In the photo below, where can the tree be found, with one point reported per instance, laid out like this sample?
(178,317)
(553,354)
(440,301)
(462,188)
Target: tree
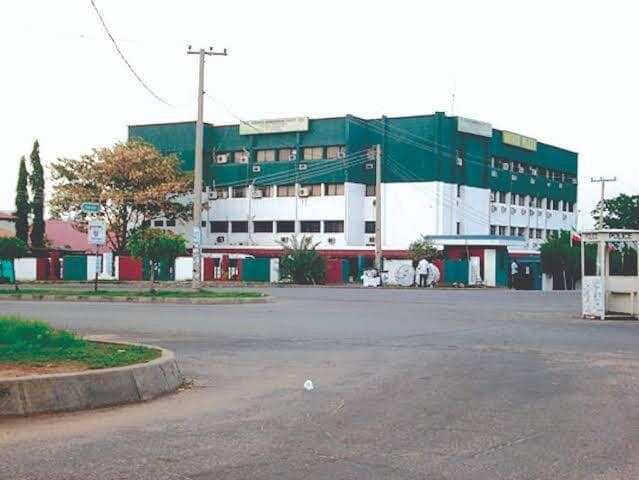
(560,258)
(22,203)
(154,245)
(10,249)
(133,182)
(422,248)
(621,211)
(301,263)
(37,203)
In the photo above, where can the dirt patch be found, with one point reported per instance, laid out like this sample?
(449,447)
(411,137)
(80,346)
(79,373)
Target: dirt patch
(12,370)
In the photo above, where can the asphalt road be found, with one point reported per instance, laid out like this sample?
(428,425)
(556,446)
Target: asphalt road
(408,385)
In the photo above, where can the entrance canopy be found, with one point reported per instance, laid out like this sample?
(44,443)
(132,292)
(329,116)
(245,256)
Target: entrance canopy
(610,272)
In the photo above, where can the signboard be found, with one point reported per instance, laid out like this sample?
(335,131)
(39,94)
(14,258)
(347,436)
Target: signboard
(97,232)
(611,235)
(592,297)
(90,207)
(517,140)
(474,127)
(274,125)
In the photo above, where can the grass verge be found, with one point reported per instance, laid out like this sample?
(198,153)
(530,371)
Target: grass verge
(34,342)
(132,293)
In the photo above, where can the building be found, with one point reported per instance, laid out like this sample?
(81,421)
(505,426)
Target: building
(441,175)
(7,224)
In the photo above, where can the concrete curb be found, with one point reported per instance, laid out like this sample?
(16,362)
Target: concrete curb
(62,392)
(83,298)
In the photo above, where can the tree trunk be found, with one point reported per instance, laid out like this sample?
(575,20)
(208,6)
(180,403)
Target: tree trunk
(152,277)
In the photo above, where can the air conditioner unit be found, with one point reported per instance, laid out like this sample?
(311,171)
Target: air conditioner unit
(513,177)
(256,169)
(513,210)
(341,153)
(283,239)
(243,159)
(523,211)
(219,239)
(574,181)
(212,195)
(369,166)
(561,185)
(493,173)
(222,158)
(257,194)
(292,156)
(371,240)
(534,171)
(331,240)
(521,169)
(532,212)
(493,208)
(302,166)
(505,166)
(460,161)
(532,181)
(304,192)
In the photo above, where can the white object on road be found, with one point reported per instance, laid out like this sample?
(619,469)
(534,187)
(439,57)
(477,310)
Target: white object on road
(308,385)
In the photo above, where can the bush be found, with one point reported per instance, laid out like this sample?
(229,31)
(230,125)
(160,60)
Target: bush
(18,332)
(301,263)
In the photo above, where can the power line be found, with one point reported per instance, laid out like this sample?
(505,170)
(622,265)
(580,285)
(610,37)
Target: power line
(117,49)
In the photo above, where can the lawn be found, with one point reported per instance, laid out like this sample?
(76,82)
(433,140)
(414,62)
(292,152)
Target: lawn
(36,343)
(132,293)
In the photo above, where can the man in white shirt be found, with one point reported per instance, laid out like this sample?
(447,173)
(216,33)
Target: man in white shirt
(422,271)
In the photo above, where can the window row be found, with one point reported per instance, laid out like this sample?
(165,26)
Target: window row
(278,226)
(529,233)
(510,198)
(287,154)
(520,167)
(261,191)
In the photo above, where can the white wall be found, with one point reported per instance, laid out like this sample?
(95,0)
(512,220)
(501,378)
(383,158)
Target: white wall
(490,267)
(183,268)
(25,269)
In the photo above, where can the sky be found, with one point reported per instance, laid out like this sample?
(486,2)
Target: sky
(564,72)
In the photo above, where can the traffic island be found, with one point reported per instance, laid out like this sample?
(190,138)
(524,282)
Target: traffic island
(93,373)
(203,297)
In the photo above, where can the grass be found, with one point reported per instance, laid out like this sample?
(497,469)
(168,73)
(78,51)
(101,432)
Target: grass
(34,342)
(132,293)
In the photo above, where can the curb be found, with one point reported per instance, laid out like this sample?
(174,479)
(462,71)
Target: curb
(63,392)
(174,300)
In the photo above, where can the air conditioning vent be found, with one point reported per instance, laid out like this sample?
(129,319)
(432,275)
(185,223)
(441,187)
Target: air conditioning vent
(222,158)
(513,177)
(493,173)
(243,158)
(304,192)
(369,166)
(219,239)
(212,195)
(302,166)
(371,239)
(257,194)
(341,153)
(256,169)
(331,240)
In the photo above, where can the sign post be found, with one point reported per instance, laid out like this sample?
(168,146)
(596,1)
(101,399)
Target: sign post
(97,237)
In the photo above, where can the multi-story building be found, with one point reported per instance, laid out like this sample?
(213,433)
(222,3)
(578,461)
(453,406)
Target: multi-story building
(441,175)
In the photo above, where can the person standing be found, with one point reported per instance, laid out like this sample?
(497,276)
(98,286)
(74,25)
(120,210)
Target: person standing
(422,269)
(514,271)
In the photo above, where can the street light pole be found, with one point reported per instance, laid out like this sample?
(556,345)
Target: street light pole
(198,168)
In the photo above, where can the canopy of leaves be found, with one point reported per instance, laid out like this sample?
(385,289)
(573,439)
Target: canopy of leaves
(621,211)
(301,263)
(37,203)
(422,248)
(132,181)
(155,245)
(22,203)
(558,257)
(11,248)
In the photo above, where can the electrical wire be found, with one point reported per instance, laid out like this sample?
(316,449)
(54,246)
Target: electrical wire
(124,59)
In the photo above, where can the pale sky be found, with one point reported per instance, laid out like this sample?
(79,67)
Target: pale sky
(564,72)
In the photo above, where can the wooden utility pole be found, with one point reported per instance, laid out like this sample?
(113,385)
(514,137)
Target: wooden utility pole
(378,210)
(603,181)
(198,168)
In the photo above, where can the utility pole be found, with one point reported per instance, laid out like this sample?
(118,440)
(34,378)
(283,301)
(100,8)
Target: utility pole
(603,181)
(378,210)
(198,175)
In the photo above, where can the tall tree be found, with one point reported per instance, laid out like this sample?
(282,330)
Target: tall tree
(22,203)
(621,211)
(133,182)
(37,203)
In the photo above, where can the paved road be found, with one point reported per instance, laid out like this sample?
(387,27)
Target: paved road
(409,385)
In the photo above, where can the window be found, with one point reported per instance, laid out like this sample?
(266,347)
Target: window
(334,151)
(158,223)
(239,192)
(314,190)
(171,223)
(369,227)
(533,201)
(370,190)
(540,202)
(333,226)
(513,198)
(458,228)
(286,190)
(239,227)
(521,231)
(571,207)
(458,191)
(222,192)
(265,156)
(263,226)
(538,233)
(219,227)
(313,153)
(493,230)
(493,196)
(513,231)
(502,230)
(310,226)
(240,156)
(264,189)
(286,154)
(503,197)
(334,189)
(203,223)
(521,200)
(285,226)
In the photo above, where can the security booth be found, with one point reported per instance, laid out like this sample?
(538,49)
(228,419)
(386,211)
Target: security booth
(610,279)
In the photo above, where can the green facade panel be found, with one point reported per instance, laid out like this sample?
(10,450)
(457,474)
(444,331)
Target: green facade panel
(163,271)
(74,267)
(455,271)
(256,269)
(7,270)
